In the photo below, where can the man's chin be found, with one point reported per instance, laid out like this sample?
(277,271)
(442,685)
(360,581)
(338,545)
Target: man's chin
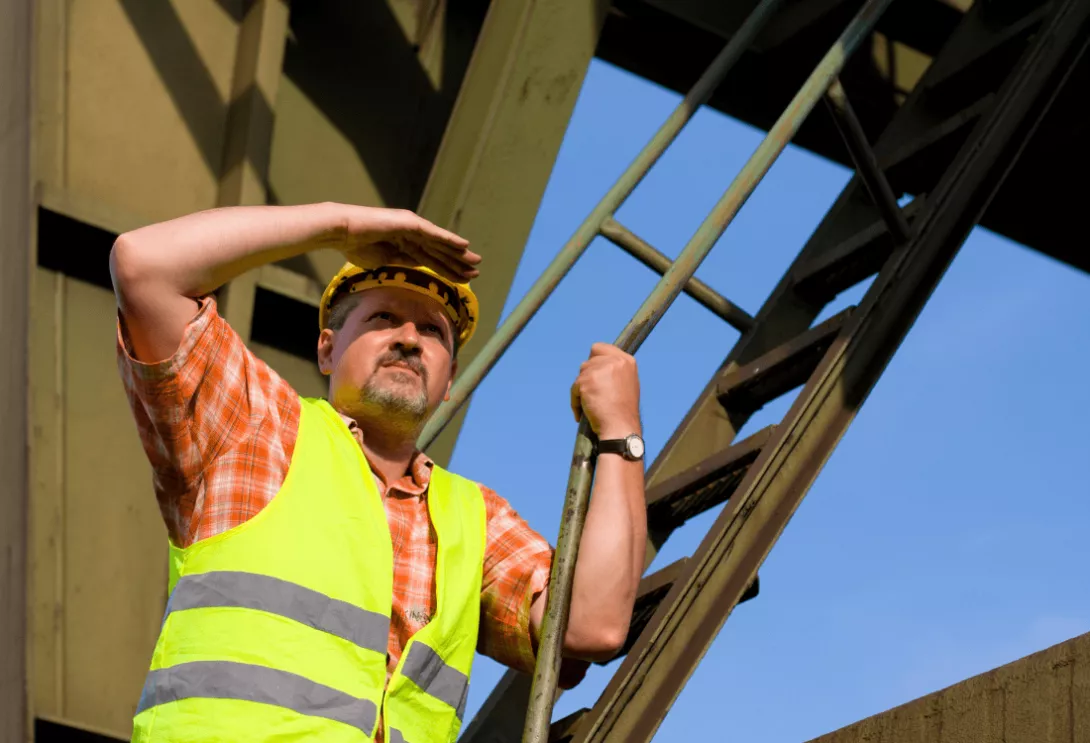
(400,400)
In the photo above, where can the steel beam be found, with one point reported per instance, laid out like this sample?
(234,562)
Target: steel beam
(786,313)
(648,681)
(16,248)
(245,172)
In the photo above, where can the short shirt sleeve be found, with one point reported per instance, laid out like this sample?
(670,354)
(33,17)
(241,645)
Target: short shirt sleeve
(217,425)
(516,571)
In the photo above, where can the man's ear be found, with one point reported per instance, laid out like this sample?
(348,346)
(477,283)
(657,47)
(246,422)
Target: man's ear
(453,374)
(325,351)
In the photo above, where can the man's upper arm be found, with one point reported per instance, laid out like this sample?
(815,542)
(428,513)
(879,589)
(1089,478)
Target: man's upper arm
(157,315)
(516,572)
(516,569)
(195,405)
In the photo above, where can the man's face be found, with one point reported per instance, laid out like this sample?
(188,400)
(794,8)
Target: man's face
(392,358)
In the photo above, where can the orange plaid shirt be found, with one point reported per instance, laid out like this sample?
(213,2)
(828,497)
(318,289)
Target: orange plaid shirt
(219,426)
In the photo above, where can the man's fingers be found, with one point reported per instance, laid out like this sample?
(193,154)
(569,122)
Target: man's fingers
(436,232)
(463,261)
(441,263)
(604,349)
(460,271)
(448,261)
(459,253)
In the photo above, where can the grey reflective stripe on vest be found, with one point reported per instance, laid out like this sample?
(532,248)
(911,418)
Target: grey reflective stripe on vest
(427,670)
(225,588)
(229,680)
(396,736)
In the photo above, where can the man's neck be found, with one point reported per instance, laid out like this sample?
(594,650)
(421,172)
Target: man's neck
(389,453)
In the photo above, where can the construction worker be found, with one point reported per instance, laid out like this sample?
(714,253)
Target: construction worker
(328,581)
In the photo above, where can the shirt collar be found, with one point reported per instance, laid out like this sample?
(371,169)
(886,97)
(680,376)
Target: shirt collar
(415,482)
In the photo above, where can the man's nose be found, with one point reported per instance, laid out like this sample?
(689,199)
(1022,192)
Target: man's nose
(407,336)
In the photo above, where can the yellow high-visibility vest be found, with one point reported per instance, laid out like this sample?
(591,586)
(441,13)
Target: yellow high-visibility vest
(277,629)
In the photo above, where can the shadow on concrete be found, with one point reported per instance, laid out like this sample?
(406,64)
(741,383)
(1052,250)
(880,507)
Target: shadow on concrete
(351,59)
(354,62)
(184,74)
(237,9)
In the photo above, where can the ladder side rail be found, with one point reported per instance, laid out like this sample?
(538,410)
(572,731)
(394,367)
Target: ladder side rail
(547,668)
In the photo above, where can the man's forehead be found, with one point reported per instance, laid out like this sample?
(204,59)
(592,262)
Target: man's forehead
(400,298)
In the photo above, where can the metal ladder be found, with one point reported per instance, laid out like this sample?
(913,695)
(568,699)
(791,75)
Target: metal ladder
(950,145)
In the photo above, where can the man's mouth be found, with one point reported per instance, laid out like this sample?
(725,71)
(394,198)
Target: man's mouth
(405,367)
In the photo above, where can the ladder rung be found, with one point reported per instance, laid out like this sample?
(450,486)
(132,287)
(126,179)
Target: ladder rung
(703,486)
(941,131)
(780,370)
(972,71)
(564,729)
(649,256)
(845,265)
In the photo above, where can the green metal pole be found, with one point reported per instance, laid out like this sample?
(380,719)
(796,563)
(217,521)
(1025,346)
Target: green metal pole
(547,669)
(487,357)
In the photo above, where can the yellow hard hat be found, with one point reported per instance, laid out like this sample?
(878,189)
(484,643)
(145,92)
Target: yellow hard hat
(382,265)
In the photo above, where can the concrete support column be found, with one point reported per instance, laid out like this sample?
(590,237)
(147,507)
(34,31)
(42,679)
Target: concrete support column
(16,235)
(245,176)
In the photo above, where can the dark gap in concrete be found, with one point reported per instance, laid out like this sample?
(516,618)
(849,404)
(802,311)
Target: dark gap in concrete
(285,324)
(74,248)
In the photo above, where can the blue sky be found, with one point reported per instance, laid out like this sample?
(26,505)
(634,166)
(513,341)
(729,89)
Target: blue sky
(946,535)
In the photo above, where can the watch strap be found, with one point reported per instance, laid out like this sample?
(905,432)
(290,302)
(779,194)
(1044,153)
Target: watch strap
(612,446)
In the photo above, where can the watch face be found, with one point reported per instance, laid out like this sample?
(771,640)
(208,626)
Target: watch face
(635,446)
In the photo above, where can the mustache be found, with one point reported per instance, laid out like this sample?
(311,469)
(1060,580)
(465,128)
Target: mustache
(399,356)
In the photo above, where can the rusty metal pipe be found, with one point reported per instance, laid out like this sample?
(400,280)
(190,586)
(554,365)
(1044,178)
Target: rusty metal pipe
(866,163)
(547,668)
(487,357)
(646,254)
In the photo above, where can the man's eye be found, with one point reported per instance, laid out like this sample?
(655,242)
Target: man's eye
(382,316)
(432,330)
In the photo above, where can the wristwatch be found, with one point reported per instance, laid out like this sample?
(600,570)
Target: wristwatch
(630,447)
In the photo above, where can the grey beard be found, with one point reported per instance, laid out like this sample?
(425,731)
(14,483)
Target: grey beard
(390,402)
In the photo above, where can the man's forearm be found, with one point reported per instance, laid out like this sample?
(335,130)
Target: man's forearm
(198,253)
(611,554)
(159,270)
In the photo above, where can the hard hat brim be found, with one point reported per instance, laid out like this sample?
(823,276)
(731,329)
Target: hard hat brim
(458,301)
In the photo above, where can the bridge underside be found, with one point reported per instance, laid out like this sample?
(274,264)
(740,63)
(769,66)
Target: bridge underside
(671,42)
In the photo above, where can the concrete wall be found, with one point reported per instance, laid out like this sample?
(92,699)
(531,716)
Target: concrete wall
(16,248)
(98,544)
(1042,698)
